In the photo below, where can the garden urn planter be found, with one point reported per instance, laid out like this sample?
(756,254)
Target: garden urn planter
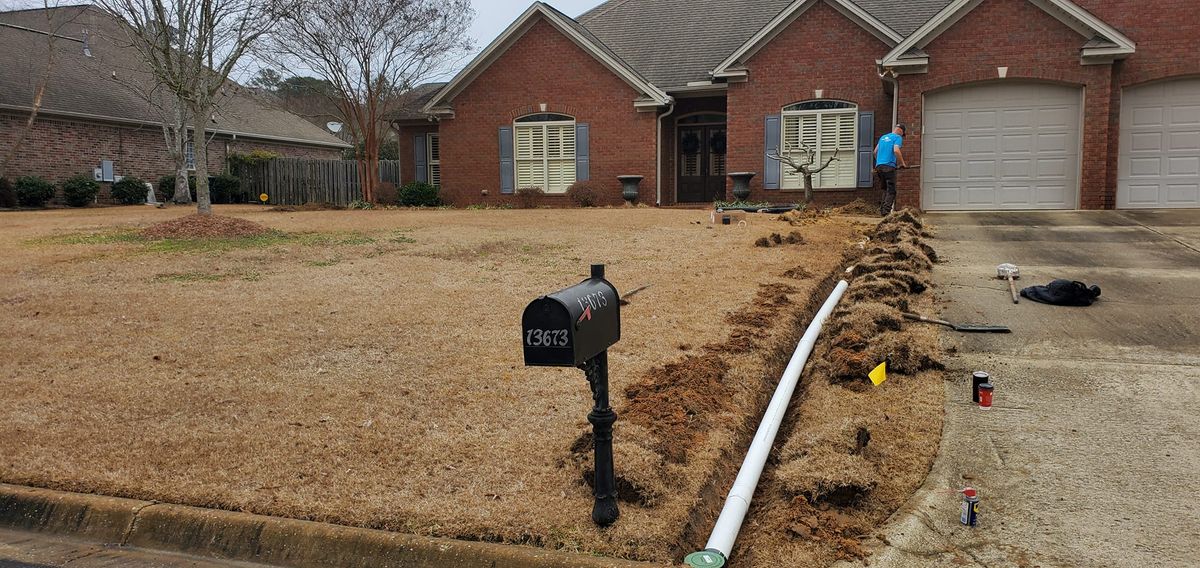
(629,187)
(741,184)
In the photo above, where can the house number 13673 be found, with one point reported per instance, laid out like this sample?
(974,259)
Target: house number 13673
(546,337)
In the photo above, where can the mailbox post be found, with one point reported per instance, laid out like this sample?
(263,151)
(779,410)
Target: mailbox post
(574,327)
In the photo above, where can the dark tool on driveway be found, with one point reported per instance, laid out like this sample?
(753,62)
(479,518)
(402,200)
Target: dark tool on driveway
(961,328)
(1011,273)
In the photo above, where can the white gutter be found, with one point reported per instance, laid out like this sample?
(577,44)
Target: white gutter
(659,152)
(890,76)
(725,532)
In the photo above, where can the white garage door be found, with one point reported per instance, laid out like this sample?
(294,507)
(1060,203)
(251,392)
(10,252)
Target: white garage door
(1001,145)
(1160,146)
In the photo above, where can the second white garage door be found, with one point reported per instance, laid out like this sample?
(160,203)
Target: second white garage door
(1001,145)
(1160,146)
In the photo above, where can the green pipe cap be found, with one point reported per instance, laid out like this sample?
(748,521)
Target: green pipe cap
(705,559)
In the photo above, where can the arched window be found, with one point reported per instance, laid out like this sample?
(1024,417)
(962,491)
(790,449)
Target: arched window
(544,145)
(829,127)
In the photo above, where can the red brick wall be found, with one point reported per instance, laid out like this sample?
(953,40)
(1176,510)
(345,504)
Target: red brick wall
(58,149)
(1034,46)
(544,67)
(825,50)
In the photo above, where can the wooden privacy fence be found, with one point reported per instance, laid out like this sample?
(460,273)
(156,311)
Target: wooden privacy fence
(296,181)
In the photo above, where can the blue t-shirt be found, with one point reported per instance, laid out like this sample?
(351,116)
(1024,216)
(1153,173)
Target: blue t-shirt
(886,155)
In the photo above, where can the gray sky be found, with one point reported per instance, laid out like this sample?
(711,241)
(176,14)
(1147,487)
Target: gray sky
(492,16)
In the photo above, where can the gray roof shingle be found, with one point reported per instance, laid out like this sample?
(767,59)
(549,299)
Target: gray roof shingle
(110,82)
(674,42)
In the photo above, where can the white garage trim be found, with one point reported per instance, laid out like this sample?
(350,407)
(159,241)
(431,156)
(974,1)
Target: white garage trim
(1002,145)
(1159,159)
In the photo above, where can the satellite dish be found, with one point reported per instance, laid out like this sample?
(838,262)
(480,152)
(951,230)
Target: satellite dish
(334,127)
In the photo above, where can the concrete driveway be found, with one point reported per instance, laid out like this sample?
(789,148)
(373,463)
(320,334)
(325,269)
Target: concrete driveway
(1091,456)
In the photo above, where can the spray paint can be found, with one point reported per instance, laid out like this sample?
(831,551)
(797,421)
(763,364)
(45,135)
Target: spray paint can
(978,378)
(985,396)
(970,507)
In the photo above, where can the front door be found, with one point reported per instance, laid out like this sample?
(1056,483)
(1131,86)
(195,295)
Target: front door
(701,163)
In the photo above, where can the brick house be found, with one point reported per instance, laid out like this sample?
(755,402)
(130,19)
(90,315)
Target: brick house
(1010,104)
(95,115)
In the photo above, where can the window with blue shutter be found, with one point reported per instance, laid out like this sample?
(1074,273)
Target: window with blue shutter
(420,159)
(507,183)
(866,146)
(771,168)
(583,163)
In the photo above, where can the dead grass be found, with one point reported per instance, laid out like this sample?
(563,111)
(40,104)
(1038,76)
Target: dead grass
(363,367)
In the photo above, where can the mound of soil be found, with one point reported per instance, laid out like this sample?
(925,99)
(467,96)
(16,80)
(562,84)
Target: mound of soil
(776,239)
(198,226)
(671,400)
(857,207)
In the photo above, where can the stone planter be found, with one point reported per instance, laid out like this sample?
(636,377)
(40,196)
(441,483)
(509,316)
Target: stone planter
(629,187)
(741,184)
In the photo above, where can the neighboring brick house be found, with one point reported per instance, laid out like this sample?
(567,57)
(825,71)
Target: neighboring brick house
(92,114)
(1010,104)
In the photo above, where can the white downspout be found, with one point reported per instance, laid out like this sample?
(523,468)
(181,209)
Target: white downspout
(725,532)
(659,154)
(889,75)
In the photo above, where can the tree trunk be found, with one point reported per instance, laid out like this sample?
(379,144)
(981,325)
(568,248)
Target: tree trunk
(808,188)
(178,139)
(200,146)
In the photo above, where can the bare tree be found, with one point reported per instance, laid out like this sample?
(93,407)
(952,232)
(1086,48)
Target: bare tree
(372,51)
(804,165)
(192,47)
(54,31)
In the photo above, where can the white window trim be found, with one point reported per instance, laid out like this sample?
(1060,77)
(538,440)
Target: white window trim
(430,162)
(546,159)
(189,155)
(852,155)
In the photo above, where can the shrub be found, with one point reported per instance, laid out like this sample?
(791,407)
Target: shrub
(585,193)
(33,191)
(360,204)
(129,191)
(80,190)
(528,197)
(166,187)
(8,197)
(419,194)
(224,188)
(386,193)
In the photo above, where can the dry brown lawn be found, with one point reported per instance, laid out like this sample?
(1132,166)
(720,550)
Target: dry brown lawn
(364,367)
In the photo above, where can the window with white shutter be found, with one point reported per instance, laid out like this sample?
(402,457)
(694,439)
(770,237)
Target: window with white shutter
(545,151)
(828,126)
(433,154)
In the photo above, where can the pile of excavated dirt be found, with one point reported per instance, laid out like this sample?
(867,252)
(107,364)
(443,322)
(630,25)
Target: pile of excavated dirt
(858,207)
(198,226)
(776,239)
(851,453)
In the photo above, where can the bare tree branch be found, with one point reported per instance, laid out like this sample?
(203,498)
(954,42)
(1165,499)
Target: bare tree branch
(803,167)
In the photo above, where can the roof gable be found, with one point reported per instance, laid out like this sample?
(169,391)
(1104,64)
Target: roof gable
(578,34)
(729,68)
(1103,43)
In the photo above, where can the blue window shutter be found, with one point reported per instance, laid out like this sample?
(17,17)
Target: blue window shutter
(771,168)
(583,162)
(866,139)
(507,183)
(420,163)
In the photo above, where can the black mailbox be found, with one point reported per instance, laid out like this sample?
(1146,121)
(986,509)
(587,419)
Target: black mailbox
(568,327)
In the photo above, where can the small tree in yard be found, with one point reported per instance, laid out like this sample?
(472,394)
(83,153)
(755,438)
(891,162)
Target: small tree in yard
(192,46)
(803,165)
(372,52)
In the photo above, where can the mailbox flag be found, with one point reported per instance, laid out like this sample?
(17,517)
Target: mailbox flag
(879,374)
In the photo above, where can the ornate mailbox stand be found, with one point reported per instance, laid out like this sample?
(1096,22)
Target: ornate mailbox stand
(574,327)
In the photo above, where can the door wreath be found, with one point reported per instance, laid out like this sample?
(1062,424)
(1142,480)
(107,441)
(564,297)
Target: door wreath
(690,144)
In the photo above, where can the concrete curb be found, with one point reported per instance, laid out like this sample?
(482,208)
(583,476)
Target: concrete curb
(256,538)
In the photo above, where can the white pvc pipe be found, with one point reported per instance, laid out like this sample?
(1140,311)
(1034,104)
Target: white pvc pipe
(725,532)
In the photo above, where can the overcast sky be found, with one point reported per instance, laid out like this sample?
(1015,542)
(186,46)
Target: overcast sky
(492,16)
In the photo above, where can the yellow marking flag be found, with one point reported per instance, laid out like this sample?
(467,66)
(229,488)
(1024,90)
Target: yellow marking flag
(879,374)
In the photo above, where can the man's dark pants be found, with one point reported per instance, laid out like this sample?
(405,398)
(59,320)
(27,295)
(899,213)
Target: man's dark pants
(887,176)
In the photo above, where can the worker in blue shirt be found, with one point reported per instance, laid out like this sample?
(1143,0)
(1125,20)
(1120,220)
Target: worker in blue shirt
(887,156)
